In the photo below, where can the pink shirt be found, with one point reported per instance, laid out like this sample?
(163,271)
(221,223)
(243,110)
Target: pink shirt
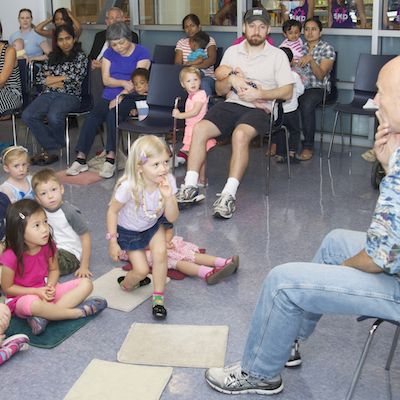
(183,45)
(36,269)
(198,97)
(296,47)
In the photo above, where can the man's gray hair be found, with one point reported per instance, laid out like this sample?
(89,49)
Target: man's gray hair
(118,30)
(115,9)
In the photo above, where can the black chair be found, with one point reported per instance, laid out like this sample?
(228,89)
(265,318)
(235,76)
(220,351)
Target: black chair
(164,54)
(84,108)
(23,73)
(164,92)
(220,53)
(368,68)
(367,346)
(276,127)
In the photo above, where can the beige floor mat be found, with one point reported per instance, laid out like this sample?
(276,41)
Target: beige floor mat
(105,380)
(106,286)
(193,346)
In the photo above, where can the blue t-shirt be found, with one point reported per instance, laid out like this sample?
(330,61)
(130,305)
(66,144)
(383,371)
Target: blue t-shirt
(122,67)
(32,42)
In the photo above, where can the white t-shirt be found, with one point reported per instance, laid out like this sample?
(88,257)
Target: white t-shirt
(298,90)
(134,218)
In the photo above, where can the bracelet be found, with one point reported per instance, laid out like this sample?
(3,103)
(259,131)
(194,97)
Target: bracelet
(110,236)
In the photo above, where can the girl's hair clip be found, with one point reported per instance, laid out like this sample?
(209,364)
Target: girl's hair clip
(143,157)
(22,216)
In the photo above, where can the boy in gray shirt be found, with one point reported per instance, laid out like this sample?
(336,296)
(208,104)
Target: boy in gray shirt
(70,231)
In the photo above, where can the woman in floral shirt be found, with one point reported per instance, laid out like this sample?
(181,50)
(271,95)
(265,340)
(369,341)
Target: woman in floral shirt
(61,76)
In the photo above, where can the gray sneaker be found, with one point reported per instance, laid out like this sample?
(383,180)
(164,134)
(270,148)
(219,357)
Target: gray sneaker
(108,170)
(76,168)
(224,206)
(232,380)
(295,357)
(189,194)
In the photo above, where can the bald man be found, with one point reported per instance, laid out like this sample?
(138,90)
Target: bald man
(351,273)
(114,14)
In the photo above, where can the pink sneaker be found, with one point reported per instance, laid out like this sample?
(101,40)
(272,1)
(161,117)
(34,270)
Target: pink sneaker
(37,324)
(19,339)
(220,273)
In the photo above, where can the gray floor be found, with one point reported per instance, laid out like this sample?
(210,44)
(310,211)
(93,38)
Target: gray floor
(286,226)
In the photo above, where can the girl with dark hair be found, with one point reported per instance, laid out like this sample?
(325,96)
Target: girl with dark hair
(61,16)
(30,272)
(61,76)
(191,26)
(26,41)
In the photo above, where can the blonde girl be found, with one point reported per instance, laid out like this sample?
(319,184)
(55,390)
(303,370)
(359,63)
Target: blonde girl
(143,201)
(16,164)
(195,109)
(30,272)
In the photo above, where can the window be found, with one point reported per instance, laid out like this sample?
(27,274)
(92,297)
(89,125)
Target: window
(172,12)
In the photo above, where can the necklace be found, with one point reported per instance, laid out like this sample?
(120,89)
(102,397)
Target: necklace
(145,210)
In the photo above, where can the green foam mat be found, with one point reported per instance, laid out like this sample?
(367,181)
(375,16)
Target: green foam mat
(55,333)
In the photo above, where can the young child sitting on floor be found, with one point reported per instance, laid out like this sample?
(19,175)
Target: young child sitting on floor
(14,343)
(195,109)
(30,273)
(16,164)
(186,257)
(70,230)
(198,43)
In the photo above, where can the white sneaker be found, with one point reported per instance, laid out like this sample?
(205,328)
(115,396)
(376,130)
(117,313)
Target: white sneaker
(76,168)
(108,170)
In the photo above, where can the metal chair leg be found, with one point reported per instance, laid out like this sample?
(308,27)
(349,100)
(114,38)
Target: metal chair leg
(351,131)
(14,129)
(67,144)
(333,134)
(361,361)
(287,149)
(392,348)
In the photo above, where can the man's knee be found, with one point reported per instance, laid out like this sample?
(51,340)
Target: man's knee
(242,137)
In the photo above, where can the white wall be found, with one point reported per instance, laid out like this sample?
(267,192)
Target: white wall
(9,14)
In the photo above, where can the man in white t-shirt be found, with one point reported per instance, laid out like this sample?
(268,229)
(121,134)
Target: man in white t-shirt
(258,72)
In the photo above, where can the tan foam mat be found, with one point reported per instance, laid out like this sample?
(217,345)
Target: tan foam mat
(195,346)
(105,380)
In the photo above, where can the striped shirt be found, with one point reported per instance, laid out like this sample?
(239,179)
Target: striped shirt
(296,47)
(184,46)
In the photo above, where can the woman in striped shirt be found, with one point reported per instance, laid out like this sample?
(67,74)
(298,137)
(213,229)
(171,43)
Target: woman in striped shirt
(191,25)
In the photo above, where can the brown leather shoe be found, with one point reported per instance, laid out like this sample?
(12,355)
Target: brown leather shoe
(306,154)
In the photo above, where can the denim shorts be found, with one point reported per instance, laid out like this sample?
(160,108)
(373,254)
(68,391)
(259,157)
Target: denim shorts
(132,240)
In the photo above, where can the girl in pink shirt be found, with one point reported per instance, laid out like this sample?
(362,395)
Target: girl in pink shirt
(195,109)
(30,272)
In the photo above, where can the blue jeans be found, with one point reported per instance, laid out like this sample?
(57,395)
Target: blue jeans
(208,84)
(99,114)
(308,102)
(53,106)
(295,295)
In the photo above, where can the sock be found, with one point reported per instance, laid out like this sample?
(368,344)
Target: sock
(6,352)
(110,160)
(191,178)
(203,271)
(81,161)
(231,187)
(220,262)
(158,298)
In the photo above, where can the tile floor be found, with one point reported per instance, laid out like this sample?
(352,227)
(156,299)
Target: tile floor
(265,231)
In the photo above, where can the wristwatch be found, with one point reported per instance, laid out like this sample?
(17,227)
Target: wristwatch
(110,236)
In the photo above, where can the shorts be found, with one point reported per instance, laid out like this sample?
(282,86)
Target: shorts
(227,116)
(23,303)
(132,240)
(67,262)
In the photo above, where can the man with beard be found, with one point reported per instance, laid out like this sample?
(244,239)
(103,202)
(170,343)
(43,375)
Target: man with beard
(352,273)
(257,74)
